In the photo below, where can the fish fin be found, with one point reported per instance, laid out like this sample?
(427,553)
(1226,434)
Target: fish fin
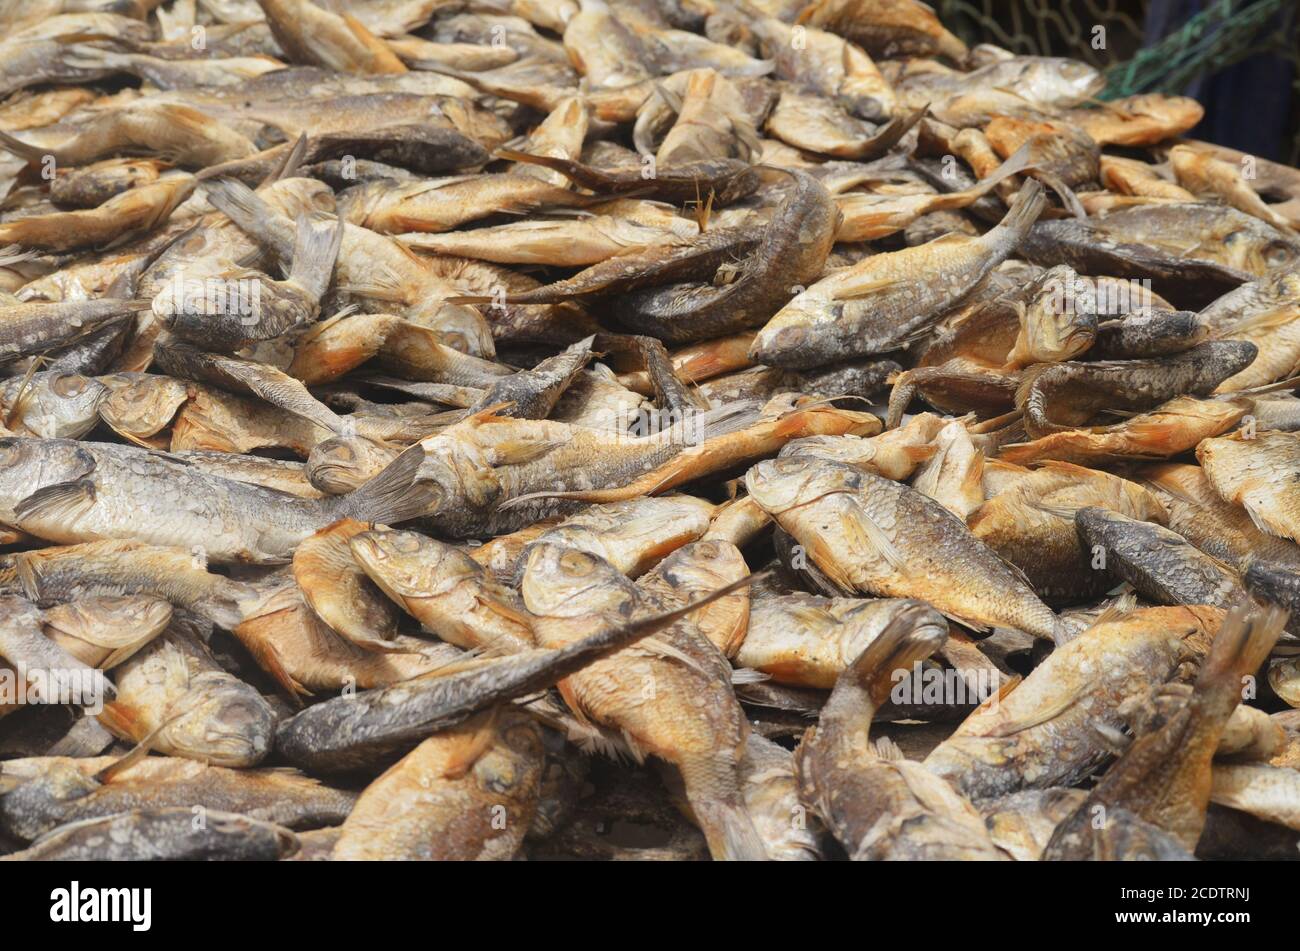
(1015,163)
(1115,740)
(392,496)
(314,252)
(33,154)
(876,540)
(1241,646)
(385,284)
(1261,323)
(500,606)
(634,748)
(62,502)
(729,418)
(1028,377)
(661,648)
(1066,194)
(748,675)
(670,98)
(890,134)
(1037,717)
(853,291)
(292,160)
(135,755)
(966,622)
(1259,516)
(119,718)
(741,841)
(1124,604)
(888,750)
(19,401)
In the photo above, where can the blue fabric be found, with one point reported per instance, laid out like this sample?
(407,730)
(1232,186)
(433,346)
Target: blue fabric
(1248,105)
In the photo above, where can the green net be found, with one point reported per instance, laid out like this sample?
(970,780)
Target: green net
(1108,35)
(1226,32)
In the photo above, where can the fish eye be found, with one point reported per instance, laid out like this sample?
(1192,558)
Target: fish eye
(69,384)
(340,451)
(408,543)
(577,562)
(1278,253)
(709,549)
(789,337)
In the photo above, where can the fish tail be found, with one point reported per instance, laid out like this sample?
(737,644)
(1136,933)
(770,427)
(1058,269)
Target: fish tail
(1019,161)
(713,791)
(248,211)
(900,396)
(291,162)
(1242,645)
(15,254)
(1028,205)
(390,497)
(915,632)
(314,252)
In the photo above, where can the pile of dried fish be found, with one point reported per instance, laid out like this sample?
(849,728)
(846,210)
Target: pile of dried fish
(560,428)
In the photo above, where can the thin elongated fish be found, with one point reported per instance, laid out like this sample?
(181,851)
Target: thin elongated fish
(161,834)
(350,732)
(54,791)
(70,492)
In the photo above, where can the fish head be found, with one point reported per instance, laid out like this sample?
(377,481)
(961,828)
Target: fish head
(223,722)
(460,326)
(29,464)
(1268,255)
(142,407)
(791,338)
(62,405)
(568,583)
(779,485)
(1272,582)
(102,620)
(456,474)
(511,768)
(1061,316)
(342,463)
(410,565)
(1081,80)
(1227,357)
